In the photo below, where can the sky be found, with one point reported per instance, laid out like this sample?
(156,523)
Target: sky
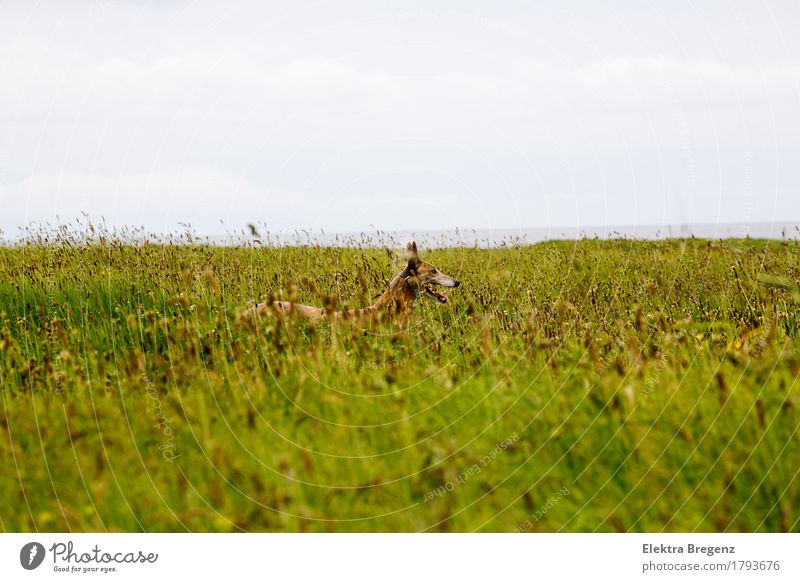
(355,116)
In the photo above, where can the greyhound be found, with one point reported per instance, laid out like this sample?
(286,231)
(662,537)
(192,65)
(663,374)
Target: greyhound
(415,280)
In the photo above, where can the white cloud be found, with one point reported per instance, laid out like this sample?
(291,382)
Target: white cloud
(260,102)
(44,77)
(158,200)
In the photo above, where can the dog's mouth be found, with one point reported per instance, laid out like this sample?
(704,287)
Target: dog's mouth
(440,297)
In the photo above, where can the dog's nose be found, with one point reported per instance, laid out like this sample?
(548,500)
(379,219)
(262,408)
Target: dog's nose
(457,283)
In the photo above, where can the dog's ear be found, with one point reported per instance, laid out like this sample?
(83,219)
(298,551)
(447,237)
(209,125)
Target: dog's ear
(411,257)
(411,251)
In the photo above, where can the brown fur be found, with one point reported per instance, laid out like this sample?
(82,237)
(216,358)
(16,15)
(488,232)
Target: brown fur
(417,278)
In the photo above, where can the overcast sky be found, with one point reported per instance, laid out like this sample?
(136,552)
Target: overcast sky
(350,116)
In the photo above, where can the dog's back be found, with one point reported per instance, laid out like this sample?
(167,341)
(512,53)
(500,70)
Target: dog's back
(306,311)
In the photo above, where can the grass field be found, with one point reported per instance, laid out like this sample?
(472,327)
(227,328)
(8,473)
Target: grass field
(567,386)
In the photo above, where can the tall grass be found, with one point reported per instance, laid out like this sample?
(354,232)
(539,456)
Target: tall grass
(567,386)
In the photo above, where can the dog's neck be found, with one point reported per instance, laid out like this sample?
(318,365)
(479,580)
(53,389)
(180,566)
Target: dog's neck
(400,295)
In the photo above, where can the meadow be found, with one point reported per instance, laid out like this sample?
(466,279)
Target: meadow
(588,385)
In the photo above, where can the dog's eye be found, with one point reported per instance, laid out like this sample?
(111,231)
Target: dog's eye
(434,271)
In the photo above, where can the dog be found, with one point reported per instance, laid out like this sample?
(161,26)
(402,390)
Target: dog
(417,279)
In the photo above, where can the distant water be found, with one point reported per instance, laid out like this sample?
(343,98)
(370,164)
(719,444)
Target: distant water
(509,237)
(483,238)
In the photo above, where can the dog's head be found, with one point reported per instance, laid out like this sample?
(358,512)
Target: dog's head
(426,276)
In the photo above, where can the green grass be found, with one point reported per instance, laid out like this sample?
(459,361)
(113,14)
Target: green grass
(589,386)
